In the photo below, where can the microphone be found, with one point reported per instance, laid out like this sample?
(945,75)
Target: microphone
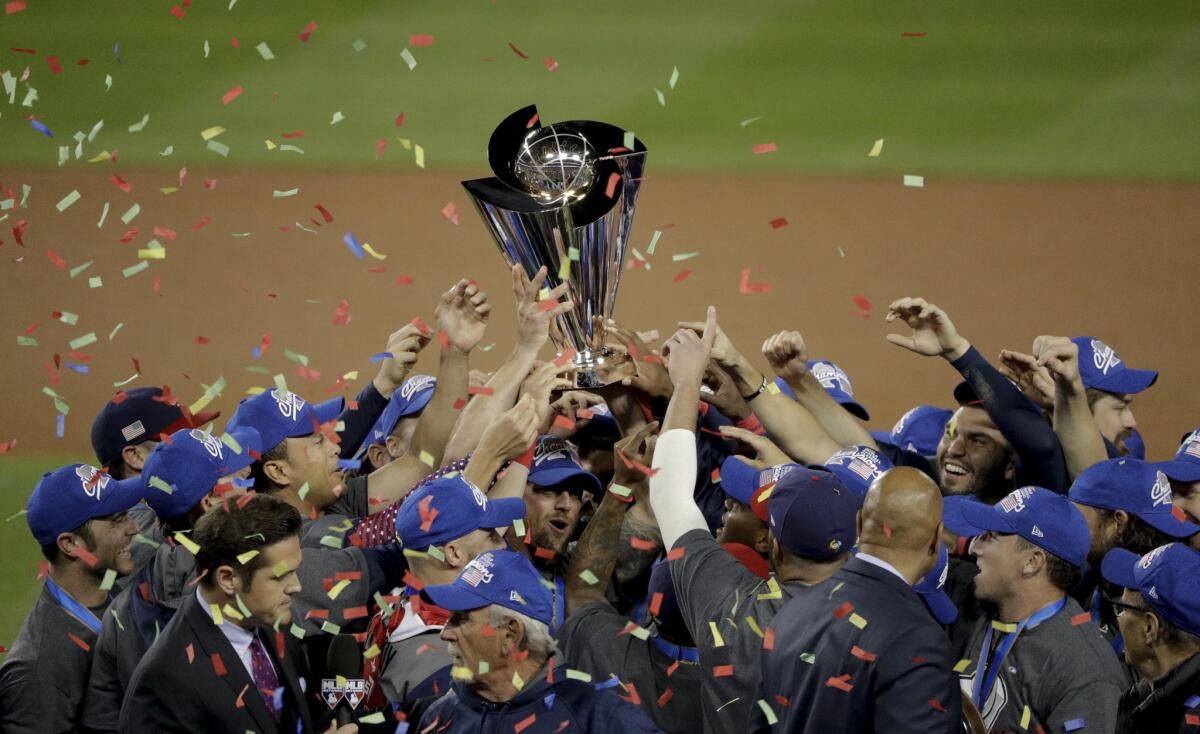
(343,660)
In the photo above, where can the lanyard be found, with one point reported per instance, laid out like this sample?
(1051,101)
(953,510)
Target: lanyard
(678,652)
(985,673)
(72,607)
(559,600)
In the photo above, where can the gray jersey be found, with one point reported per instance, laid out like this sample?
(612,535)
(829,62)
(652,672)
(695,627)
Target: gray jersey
(1060,676)
(329,530)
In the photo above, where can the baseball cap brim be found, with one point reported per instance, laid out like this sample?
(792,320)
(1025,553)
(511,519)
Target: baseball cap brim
(952,516)
(882,437)
(1127,381)
(854,407)
(964,394)
(739,479)
(940,606)
(502,512)
(454,597)
(981,518)
(250,443)
(120,495)
(325,412)
(1180,471)
(1118,567)
(1170,523)
(577,479)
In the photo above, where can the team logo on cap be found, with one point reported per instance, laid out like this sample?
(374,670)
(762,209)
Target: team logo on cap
(479,571)
(1160,493)
(942,576)
(835,545)
(1191,444)
(1103,356)
(554,449)
(1015,501)
(899,427)
(863,462)
(480,497)
(289,403)
(1148,560)
(412,385)
(832,377)
(92,480)
(210,442)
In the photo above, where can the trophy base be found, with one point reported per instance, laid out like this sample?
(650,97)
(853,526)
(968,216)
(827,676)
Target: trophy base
(597,368)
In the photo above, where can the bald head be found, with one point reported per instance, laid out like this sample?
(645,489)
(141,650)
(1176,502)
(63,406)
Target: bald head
(902,512)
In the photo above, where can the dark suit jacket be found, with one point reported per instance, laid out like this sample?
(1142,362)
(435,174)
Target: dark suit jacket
(169,694)
(888,669)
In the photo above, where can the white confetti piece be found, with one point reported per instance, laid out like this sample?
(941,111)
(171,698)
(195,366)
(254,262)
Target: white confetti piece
(917,182)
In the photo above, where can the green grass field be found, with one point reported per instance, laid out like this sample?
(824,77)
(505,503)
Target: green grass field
(1073,89)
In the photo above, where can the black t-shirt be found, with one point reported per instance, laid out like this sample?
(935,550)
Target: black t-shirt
(329,530)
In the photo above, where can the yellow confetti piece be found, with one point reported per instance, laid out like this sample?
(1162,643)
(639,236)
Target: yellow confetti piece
(754,626)
(331,628)
(1002,627)
(167,190)
(232,613)
(588,577)
(460,672)
(410,553)
(564,269)
(766,495)
(192,546)
(772,719)
(338,588)
(212,132)
(155,253)
(876,149)
(371,651)
(517,681)
(270,145)
(375,718)
(419,155)
(218,619)
(427,458)
(160,484)
(280,569)
(1025,716)
(718,641)
(579,675)
(775,592)
(962,665)
(405,143)
(773,388)
(232,443)
(110,578)
(857,620)
(200,404)
(243,558)
(99,157)
(370,251)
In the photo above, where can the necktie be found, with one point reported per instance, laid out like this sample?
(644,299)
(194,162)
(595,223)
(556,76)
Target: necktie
(265,679)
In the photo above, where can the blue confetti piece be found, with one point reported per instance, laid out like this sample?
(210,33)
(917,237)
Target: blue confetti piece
(80,368)
(402,728)
(348,464)
(242,483)
(610,683)
(117,52)
(41,128)
(256,352)
(1073,725)
(61,426)
(1192,702)
(352,243)
(380,357)
(549,701)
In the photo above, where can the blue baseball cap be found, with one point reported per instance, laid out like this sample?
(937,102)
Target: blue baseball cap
(277,415)
(181,472)
(138,415)
(810,513)
(952,516)
(499,577)
(1165,577)
(408,399)
(931,588)
(745,483)
(920,429)
(66,498)
(1046,519)
(1185,466)
(450,507)
(1137,487)
(837,383)
(556,462)
(857,467)
(1102,369)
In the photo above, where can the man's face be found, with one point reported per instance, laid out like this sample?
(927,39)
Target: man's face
(1102,530)
(1187,498)
(112,537)
(973,457)
(551,514)
(739,524)
(1114,418)
(1000,561)
(470,645)
(269,593)
(313,460)
(1129,621)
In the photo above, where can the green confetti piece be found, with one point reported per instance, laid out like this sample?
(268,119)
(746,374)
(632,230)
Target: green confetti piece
(436,552)
(674,79)
(284,194)
(772,719)
(135,269)
(62,407)
(752,120)
(297,631)
(218,147)
(409,59)
(519,526)
(281,384)
(25,190)
(103,216)
(83,341)
(303,491)
(330,627)
(66,202)
(69,318)
(808,657)
(573,254)
(684,256)
(291,148)
(139,538)
(588,577)
(26,341)
(630,139)
(620,490)
(578,675)
(265,51)
(662,99)
(231,442)
(80,268)
(206,48)
(653,242)
(95,281)
(359,45)
(242,605)
(857,621)
(332,541)
(118,620)
(257,368)
(137,127)
(161,484)
(337,117)
(187,542)
(484,668)
(917,182)
(167,151)
(51,392)
(130,215)
(110,577)
(640,632)
(296,357)
(107,82)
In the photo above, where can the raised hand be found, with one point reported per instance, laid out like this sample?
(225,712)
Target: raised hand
(568,406)
(766,453)
(723,350)
(1032,379)
(543,379)
(724,394)
(1060,355)
(462,314)
(933,334)
(688,353)
(513,431)
(651,376)
(403,345)
(533,321)
(637,447)
(787,355)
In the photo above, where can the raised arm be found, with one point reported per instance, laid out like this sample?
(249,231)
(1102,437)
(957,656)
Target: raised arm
(403,346)
(1082,443)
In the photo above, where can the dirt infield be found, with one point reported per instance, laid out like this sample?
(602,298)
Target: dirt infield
(1008,260)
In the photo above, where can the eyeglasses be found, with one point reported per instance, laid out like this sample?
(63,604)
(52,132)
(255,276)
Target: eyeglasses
(1122,607)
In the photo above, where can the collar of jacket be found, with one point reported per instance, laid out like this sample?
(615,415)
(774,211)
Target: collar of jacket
(535,690)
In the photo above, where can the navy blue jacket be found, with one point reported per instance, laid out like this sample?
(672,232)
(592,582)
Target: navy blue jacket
(549,703)
(888,669)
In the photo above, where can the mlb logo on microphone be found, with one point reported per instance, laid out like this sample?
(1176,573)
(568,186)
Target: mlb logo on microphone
(332,692)
(355,691)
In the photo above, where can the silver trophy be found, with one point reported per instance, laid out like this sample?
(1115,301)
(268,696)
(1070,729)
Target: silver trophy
(563,197)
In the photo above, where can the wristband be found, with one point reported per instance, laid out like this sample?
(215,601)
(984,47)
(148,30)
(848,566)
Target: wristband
(526,459)
(761,389)
(752,424)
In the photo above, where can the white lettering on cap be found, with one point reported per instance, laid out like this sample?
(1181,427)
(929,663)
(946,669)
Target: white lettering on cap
(1015,501)
(413,384)
(1148,559)
(92,480)
(478,571)
(832,377)
(1160,493)
(210,442)
(289,403)
(1103,356)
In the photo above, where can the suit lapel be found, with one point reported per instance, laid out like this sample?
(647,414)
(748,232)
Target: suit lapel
(213,641)
(286,665)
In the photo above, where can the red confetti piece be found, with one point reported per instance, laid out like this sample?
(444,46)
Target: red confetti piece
(83,553)
(862,654)
(745,286)
(399,119)
(611,187)
(417,322)
(79,641)
(763,148)
(666,695)
(325,214)
(673,668)
(525,723)
(15,6)
(58,261)
(83,62)
(862,303)
(488,630)
(460,404)
(642,543)
(1081,618)
(8,446)
(204,222)
(769,639)
(427,515)
(19,232)
(23,50)
(404,280)
(191,653)
(168,234)
(210,183)
(318,613)
(1192,719)
(564,422)
(178,12)
(54,65)
(545,553)
(567,355)
(681,275)
(779,222)
(480,390)
(843,610)
(675,554)
(655,603)
(129,235)
(722,671)
(842,683)
(550,63)
(911,35)
(232,94)
(443,340)
(380,146)
(633,696)
(937,705)
(218,664)
(1179,514)
(294,134)
(518,52)
(341,314)
(121,183)
(308,31)
(235,43)
(202,340)
(420,39)
(354,613)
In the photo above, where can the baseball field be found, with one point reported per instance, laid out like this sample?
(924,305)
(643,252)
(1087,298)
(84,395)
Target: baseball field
(177,183)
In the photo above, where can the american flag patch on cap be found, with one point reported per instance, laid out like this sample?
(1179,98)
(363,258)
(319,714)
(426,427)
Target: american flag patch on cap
(133,430)
(862,468)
